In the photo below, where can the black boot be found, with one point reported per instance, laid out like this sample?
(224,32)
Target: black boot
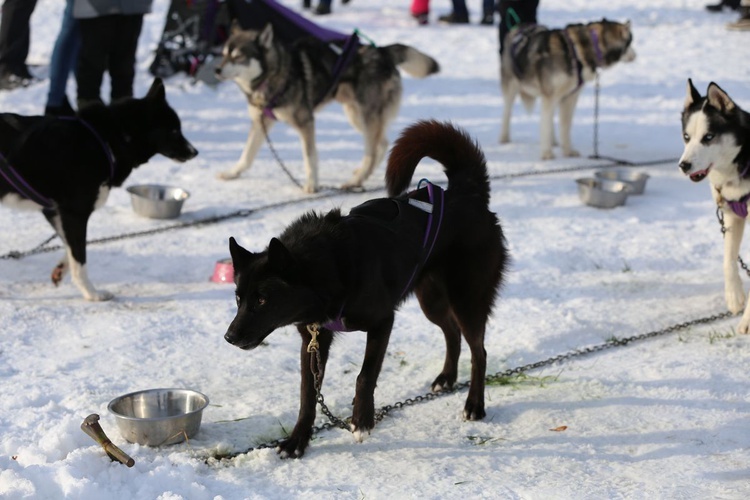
(65,109)
(729,4)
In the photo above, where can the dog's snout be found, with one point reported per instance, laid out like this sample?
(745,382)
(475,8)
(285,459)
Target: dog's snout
(685,166)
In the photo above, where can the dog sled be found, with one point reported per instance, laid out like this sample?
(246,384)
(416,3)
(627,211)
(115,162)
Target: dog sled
(195,31)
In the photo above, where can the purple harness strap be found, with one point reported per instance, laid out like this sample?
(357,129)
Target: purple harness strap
(25,189)
(434,221)
(21,186)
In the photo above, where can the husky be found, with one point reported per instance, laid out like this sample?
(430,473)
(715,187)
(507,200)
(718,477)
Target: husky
(290,82)
(66,166)
(328,273)
(553,65)
(716,132)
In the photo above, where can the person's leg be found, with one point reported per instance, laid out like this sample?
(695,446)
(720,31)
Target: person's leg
(15,36)
(323,8)
(460,14)
(63,61)
(123,55)
(97,38)
(488,12)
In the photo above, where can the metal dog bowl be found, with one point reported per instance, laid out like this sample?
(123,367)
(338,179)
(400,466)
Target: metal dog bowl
(223,271)
(636,179)
(157,202)
(158,417)
(602,193)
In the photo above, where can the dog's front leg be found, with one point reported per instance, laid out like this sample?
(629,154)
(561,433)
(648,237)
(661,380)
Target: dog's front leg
(261,125)
(567,109)
(309,154)
(73,233)
(363,416)
(546,130)
(296,444)
(733,291)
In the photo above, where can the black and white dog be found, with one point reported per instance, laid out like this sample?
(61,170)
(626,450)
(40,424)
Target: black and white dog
(65,167)
(717,145)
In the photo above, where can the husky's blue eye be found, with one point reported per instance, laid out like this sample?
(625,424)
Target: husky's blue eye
(708,137)
(686,137)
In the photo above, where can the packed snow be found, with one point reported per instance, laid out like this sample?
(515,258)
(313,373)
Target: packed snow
(667,417)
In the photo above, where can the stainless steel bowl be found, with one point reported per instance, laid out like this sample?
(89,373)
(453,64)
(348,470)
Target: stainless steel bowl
(156,201)
(602,193)
(158,417)
(636,179)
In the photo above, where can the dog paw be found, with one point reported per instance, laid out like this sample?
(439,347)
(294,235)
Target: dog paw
(310,188)
(744,326)
(474,411)
(99,296)
(504,139)
(571,153)
(227,176)
(735,297)
(292,448)
(443,383)
(359,433)
(58,272)
(352,186)
(548,155)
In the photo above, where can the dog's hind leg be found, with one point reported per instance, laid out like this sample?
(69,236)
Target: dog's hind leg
(296,444)
(567,109)
(261,125)
(62,267)
(363,416)
(434,303)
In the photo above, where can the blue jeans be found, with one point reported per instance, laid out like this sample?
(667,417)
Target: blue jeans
(459,7)
(64,56)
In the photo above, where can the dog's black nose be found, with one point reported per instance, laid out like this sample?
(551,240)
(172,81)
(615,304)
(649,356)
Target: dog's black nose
(685,166)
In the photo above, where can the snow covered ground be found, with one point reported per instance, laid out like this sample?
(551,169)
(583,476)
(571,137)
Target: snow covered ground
(664,418)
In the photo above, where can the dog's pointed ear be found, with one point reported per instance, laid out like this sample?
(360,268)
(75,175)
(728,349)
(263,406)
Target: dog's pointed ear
(266,36)
(235,28)
(692,95)
(157,90)
(279,257)
(719,99)
(240,256)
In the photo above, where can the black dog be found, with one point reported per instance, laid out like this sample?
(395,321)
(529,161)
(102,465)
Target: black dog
(337,273)
(66,166)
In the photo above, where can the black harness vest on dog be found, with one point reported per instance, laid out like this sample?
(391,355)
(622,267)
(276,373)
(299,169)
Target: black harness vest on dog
(416,222)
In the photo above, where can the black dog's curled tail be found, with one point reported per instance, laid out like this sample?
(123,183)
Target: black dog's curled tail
(463,160)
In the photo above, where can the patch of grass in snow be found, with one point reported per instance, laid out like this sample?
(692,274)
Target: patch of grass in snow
(519,380)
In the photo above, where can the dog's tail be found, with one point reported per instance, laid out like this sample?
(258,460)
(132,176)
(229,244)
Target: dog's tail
(413,62)
(463,160)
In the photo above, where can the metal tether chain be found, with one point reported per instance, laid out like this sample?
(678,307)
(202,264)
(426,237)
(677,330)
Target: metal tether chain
(720,216)
(385,410)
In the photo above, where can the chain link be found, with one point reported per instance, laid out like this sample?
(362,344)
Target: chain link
(382,412)
(720,216)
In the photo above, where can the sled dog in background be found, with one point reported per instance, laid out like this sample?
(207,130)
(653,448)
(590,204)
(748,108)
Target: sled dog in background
(290,82)
(342,273)
(553,65)
(65,167)
(716,132)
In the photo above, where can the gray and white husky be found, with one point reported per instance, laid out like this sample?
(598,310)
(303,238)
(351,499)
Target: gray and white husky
(553,65)
(290,82)
(717,145)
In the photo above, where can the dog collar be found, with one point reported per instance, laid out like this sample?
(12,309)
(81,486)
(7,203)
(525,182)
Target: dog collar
(597,49)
